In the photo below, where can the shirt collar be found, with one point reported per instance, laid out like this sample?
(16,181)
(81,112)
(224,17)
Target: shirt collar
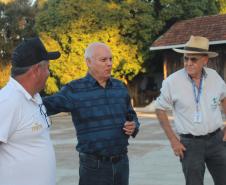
(204,73)
(21,89)
(94,82)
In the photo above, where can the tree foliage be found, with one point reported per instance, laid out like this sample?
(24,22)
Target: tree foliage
(84,22)
(170,11)
(16,22)
(167,12)
(4,74)
(127,26)
(222,6)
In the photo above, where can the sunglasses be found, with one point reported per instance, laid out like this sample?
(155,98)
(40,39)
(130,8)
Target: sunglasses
(193,58)
(43,112)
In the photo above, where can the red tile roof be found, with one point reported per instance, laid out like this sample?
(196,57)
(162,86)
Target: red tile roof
(213,27)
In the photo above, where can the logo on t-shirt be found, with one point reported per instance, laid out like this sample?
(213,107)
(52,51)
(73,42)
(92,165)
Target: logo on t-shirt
(36,127)
(214,102)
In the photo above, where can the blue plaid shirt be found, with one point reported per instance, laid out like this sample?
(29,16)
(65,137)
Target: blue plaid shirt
(98,114)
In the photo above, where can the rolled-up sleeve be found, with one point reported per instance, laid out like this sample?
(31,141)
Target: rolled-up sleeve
(164,101)
(59,102)
(223,89)
(9,119)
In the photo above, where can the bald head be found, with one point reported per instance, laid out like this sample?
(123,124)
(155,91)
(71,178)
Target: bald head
(89,52)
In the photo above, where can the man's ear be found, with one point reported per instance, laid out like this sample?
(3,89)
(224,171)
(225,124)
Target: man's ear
(88,62)
(34,70)
(206,60)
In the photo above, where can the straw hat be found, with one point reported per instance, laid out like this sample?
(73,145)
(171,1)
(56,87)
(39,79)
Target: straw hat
(197,45)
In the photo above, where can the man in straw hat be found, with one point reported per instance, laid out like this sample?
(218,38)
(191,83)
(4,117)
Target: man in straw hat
(195,94)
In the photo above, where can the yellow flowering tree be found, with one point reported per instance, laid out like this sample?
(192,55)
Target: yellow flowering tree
(222,6)
(4,74)
(72,30)
(71,65)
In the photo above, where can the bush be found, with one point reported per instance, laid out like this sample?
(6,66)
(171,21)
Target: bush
(4,74)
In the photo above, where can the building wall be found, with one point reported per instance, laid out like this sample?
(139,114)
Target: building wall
(172,62)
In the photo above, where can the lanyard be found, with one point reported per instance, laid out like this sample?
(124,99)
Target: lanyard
(197,96)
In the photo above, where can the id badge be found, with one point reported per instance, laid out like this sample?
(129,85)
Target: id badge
(197,117)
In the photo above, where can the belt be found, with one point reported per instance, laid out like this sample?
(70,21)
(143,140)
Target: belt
(113,158)
(202,136)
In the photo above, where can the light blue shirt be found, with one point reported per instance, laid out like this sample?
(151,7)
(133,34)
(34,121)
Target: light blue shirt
(177,95)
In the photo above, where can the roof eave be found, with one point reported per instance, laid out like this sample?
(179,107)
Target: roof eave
(182,45)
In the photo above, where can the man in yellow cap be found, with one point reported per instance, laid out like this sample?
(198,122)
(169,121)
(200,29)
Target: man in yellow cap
(195,94)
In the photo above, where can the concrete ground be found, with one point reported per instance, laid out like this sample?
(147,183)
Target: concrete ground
(152,161)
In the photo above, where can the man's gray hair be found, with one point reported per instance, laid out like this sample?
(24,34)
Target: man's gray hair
(89,50)
(16,71)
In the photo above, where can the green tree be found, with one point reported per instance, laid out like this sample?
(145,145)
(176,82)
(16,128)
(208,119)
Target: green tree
(127,26)
(137,24)
(16,23)
(170,11)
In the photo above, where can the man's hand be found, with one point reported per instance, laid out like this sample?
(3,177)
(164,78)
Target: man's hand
(129,127)
(176,145)
(224,131)
(178,148)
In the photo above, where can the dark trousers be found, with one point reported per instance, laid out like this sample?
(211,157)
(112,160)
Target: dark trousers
(200,153)
(93,171)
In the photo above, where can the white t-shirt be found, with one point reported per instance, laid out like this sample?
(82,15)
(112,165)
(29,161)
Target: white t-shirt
(26,153)
(177,93)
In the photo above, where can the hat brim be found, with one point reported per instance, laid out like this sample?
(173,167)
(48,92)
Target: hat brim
(53,55)
(209,53)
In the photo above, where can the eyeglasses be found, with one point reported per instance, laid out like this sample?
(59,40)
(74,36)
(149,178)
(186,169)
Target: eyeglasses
(43,112)
(193,58)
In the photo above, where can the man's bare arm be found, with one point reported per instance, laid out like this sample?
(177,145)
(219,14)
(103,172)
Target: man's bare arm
(176,145)
(223,103)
